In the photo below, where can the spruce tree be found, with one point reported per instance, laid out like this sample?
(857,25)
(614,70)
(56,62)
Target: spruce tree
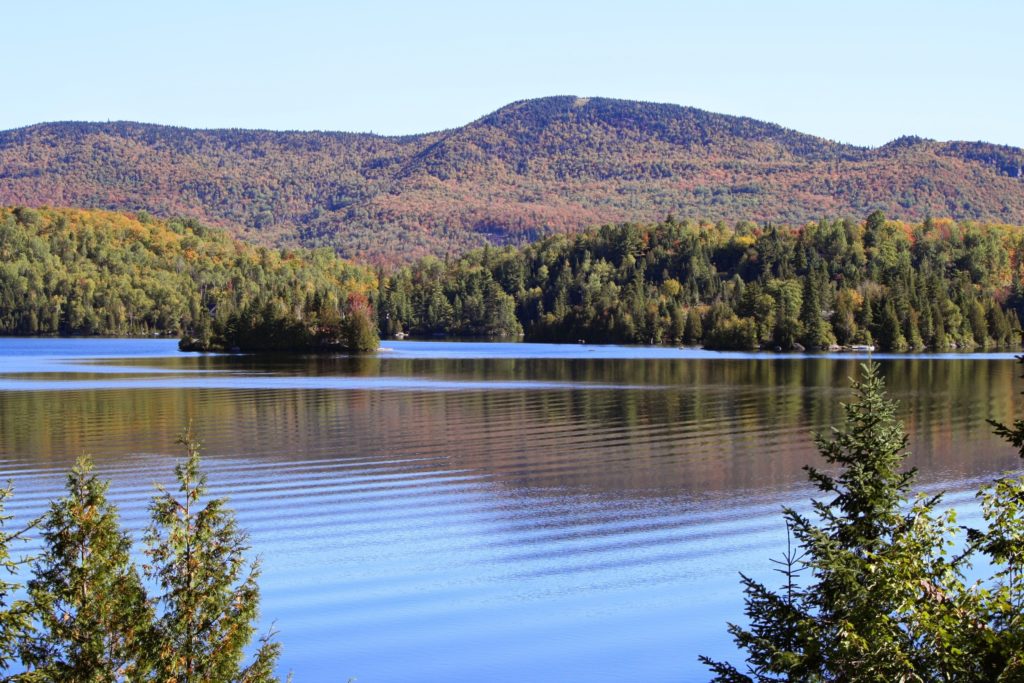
(210,596)
(816,332)
(870,594)
(93,618)
(14,614)
(890,334)
(693,332)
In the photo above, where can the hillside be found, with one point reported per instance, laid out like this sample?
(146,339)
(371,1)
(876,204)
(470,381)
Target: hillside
(528,169)
(82,272)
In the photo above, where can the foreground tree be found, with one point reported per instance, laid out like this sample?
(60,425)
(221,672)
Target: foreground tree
(89,619)
(14,615)
(874,591)
(210,595)
(93,619)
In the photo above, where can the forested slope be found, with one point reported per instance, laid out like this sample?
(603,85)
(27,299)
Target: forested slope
(82,272)
(529,169)
(938,285)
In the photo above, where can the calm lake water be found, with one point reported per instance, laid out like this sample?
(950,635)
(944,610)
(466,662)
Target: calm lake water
(488,512)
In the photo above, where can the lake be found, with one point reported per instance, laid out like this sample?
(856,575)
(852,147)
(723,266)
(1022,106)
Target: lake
(467,512)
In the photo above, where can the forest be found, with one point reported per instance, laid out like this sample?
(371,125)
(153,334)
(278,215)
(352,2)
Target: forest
(937,284)
(897,286)
(80,272)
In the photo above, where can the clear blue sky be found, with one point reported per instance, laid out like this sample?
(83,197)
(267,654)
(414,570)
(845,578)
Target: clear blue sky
(862,72)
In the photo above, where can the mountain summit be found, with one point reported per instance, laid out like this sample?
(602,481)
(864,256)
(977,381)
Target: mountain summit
(532,167)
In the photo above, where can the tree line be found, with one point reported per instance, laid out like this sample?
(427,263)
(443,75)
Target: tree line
(935,285)
(90,613)
(78,272)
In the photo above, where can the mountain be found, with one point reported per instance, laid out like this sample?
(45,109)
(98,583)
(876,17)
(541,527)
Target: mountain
(530,168)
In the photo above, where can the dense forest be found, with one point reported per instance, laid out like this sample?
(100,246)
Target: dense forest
(898,286)
(78,272)
(937,284)
(532,168)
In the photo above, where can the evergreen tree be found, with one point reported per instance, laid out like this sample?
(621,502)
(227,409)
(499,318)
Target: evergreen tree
(677,324)
(977,322)
(890,335)
(998,325)
(210,599)
(815,331)
(872,593)
(14,614)
(693,332)
(94,621)
(843,318)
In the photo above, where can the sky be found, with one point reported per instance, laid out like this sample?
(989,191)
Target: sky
(861,72)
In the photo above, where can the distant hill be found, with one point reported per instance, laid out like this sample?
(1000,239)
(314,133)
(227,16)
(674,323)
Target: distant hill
(528,169)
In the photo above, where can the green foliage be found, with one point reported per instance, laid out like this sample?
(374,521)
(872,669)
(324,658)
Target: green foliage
(874,591)
(883,282)
(88,617)
(93,618)
(265,327)
(467,298)
(15,618)
(694,330)
(732,334)
(936,286)
(92,272)
(359,329)
(210,596)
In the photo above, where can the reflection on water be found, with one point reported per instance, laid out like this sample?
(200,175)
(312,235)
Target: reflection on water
(545,513)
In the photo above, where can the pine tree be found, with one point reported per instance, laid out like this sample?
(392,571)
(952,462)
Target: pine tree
(890,334)
(870,594)
(94,620)
(816,332)
(693,332)
(210,595)
(14,614)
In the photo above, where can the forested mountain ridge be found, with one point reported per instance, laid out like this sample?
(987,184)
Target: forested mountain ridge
(531,168)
